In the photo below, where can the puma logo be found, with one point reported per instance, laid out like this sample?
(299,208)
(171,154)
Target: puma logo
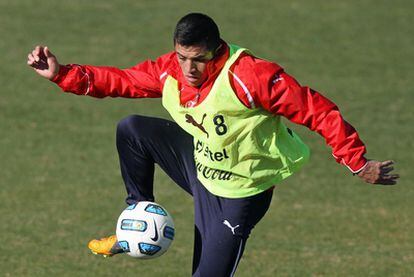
(227,223)
(192,121)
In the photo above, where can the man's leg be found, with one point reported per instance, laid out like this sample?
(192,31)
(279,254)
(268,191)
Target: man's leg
(143,141)
(222,227)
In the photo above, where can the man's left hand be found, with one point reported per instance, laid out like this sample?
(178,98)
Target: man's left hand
(376,172)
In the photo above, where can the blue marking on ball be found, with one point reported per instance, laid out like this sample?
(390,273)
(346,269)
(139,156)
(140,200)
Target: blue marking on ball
(124,245)
(169,232)
(133,225)
(148,249)
(155,209)
(131,207)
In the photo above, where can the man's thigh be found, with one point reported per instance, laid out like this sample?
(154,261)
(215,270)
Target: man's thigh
(222,227)
(143,141)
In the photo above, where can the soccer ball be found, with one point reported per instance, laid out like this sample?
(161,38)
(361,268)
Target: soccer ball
(145,230)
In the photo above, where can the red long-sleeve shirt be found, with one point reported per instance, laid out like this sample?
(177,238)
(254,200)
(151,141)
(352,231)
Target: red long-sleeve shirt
(257,83)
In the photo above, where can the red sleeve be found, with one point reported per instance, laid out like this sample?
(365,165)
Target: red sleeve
(142,80)
(277,92)
(305,106)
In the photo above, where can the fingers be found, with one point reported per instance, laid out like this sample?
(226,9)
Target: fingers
(387,182)
(388,179)
(35,62)
(386,170)
(386,163)
(30,59)
(39,56)
(36,53)
(377,172)
(33,58)
(47,52)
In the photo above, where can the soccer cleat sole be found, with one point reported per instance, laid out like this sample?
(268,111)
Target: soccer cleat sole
(104,255)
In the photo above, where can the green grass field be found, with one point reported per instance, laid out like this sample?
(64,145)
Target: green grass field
(60,181)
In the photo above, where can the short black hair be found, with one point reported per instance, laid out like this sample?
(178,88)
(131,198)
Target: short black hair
(197,29)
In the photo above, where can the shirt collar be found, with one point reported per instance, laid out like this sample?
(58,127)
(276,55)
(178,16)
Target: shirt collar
(216,64)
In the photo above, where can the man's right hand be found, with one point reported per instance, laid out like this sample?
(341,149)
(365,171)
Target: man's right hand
(43,62)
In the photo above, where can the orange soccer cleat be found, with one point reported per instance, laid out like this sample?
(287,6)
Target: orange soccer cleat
(105,246)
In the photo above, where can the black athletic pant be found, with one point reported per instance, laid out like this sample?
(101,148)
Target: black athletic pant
(222,225)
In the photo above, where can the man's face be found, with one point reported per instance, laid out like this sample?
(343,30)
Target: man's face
(193,62)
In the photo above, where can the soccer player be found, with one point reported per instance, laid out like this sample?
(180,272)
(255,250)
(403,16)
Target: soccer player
(228,147)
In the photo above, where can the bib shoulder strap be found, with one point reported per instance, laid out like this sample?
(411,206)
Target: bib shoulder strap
(233,49)
(235,52)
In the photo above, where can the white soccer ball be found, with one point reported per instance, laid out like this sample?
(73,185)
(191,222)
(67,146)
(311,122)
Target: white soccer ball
(145,230)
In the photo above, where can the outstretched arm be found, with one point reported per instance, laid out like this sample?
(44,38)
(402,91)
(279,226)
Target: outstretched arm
(139,81)
(281,94)
(305,106)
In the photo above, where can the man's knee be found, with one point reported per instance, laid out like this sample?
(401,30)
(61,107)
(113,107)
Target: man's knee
(131,126)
